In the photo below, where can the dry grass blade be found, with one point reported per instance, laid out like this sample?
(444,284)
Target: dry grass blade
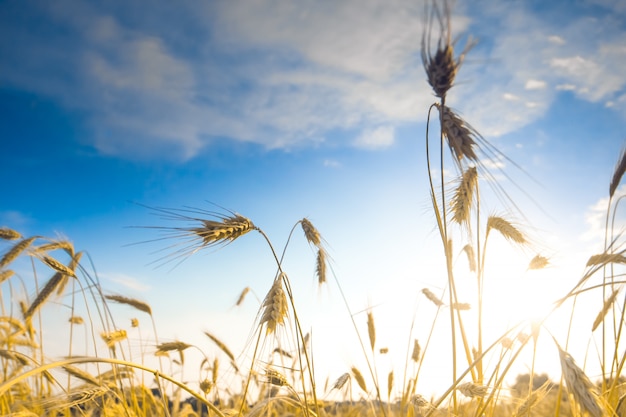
(43,295)
(16,250)
(274,306)
(432,297)
(538,262)
(221,345)
(417,350)
(471,256)
(341,381)
(605,309)
(9,234)
(242,296)
(472,390)
(506,229)
(358,376)
(463,196)
(139,305)
(320,266)
(620,168)
(311,233)
(371,329)
(606,258)
(579,385)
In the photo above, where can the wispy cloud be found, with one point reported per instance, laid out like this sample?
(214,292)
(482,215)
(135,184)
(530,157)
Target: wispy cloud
(168,80)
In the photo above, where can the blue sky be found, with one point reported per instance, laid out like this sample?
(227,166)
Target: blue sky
(280,111)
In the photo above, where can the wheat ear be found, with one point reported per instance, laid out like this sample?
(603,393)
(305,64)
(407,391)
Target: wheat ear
(43,295)
(274,306)
(221,345)
(358,376)
(341,381)
(506,229)
(9,234)
(432,297)
(605,309)
(371,329)
(16,250)
(472,390)
(463,196)
(618,173)
(579,385)
(538,262)
(139,305)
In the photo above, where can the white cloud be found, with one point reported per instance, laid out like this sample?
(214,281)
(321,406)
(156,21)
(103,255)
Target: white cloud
(380,137)
(557,40)
(535,85)
(126,281)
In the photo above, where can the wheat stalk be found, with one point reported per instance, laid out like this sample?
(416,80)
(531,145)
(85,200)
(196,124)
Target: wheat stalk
(274,306)
(139,305)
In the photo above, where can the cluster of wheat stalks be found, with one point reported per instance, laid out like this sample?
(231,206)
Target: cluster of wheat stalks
(110,377)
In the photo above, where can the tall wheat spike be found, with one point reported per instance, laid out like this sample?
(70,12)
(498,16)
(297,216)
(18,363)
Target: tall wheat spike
(441,67)
(371,329)
(605,309)
(274,306)
(463,196)
(6,274)
(460,135)
(618,173)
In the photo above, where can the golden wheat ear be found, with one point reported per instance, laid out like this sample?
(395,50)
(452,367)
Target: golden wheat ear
(200,229)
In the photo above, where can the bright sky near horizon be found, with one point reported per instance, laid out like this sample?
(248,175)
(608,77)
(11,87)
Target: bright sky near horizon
(284,110)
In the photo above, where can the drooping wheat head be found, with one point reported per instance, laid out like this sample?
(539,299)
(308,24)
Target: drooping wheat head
(43,295)
(341,381)
(532,399)
(242,296)
(221,345)
(311,233)
(111,338)
(275,378)
(460,135)
(606,258)
(579,385)
(506,229)
(538,262)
